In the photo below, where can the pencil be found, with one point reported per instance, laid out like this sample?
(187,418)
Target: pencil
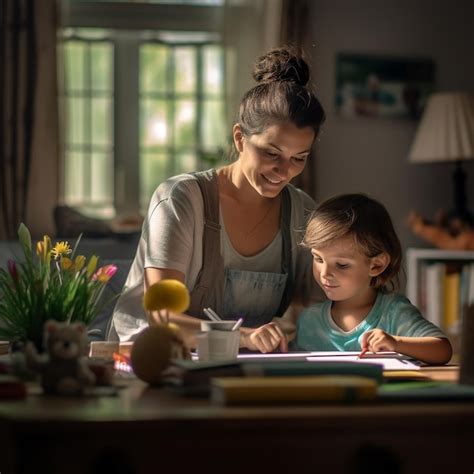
(362,353)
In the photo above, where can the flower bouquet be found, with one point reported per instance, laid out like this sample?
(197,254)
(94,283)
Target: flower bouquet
(50,282)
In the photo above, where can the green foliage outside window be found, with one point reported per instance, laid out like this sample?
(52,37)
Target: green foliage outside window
(180,122)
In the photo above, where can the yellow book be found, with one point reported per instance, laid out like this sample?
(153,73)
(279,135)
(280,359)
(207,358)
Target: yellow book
(292,389)
(452,284)
(402,375)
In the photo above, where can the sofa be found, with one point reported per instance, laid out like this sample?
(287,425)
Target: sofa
(119,251)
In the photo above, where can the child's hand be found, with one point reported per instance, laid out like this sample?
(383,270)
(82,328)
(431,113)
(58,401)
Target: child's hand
(377,340)
(266,338)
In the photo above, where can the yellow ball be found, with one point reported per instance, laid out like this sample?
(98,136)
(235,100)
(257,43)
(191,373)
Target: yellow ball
(167,294)
(151,353)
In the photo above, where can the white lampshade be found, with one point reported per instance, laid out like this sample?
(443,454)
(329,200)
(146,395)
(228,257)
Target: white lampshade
(446,130)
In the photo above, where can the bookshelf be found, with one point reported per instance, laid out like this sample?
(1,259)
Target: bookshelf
(439,283)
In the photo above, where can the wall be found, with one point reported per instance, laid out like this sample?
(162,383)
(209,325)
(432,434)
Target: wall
(368,154)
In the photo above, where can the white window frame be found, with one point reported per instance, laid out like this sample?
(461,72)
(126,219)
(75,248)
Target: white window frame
(123,18)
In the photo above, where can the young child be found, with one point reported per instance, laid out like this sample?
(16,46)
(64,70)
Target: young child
(356,261)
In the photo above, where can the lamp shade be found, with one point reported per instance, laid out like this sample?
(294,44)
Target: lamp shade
(446,130)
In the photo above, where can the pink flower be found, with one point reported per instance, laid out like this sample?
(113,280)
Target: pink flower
(105,273)
(13,270)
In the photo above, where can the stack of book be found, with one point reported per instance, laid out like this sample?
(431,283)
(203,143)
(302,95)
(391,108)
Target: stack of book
(205,378)
(445,288)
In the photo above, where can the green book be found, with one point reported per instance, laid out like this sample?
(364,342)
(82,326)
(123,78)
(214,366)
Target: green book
(426,391)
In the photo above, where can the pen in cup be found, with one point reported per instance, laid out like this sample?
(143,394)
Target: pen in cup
(211,314)
(237,324)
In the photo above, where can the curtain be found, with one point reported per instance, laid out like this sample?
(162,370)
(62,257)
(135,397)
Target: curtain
(28,116)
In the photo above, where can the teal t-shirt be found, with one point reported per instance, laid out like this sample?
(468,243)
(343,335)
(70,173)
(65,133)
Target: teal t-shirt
(393,313)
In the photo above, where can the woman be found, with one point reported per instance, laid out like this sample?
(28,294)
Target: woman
(231,234)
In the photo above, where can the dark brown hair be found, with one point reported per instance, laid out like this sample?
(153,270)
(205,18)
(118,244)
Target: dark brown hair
(368,222)
(281,94)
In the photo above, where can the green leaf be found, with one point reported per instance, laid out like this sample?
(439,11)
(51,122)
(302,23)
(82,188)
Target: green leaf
(25,237)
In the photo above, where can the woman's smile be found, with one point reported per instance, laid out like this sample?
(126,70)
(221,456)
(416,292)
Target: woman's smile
(274,181)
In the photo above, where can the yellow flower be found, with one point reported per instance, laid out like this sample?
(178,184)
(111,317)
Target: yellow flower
(43,247)
(91,266)
(167,294)
(61,249)
(79,262)
(40,249)
(47,245)
(66,263)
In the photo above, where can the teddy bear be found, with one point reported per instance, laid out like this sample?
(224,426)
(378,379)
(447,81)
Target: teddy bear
(444,233)
(63,370)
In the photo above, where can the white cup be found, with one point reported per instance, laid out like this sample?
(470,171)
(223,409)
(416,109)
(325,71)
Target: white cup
(217,325)
(218,345)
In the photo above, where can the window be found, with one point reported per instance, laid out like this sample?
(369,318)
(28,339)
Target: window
(140,105)
(88,103)
(181,110)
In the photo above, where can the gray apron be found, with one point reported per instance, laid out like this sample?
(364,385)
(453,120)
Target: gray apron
(253,296)
(237,293)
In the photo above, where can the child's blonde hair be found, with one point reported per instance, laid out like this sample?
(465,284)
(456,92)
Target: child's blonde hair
(368,222)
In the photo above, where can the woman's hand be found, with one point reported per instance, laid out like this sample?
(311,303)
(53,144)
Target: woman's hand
(377,340)
(266,338)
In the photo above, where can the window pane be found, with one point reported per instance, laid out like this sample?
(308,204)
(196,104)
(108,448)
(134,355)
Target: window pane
(185,69)
(184,2)
(89,120)
(154,129)
(75,121)
(185,162)
(101,67)
(74,169)
(101,118)
(213,128)
(101,178)
(154,61)
(153,170)
(88,33)
(185,123)
(212,70)
(74,62)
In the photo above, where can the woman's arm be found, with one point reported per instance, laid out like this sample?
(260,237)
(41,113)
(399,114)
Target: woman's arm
(265,338)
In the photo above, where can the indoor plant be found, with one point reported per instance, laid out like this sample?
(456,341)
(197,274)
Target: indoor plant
(49,282)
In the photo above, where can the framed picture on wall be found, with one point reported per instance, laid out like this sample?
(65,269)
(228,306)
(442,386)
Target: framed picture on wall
(378,86)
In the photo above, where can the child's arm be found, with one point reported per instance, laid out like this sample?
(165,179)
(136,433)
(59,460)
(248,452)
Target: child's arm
(432,350)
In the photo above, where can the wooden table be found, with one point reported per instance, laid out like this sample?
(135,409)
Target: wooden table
(147,430)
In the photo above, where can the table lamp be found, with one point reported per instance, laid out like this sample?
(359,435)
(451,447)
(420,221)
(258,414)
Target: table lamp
(446,133)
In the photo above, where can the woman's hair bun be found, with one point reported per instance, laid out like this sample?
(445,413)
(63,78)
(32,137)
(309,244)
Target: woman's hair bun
(282,64)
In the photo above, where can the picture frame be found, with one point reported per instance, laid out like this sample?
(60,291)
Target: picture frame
(382,86)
